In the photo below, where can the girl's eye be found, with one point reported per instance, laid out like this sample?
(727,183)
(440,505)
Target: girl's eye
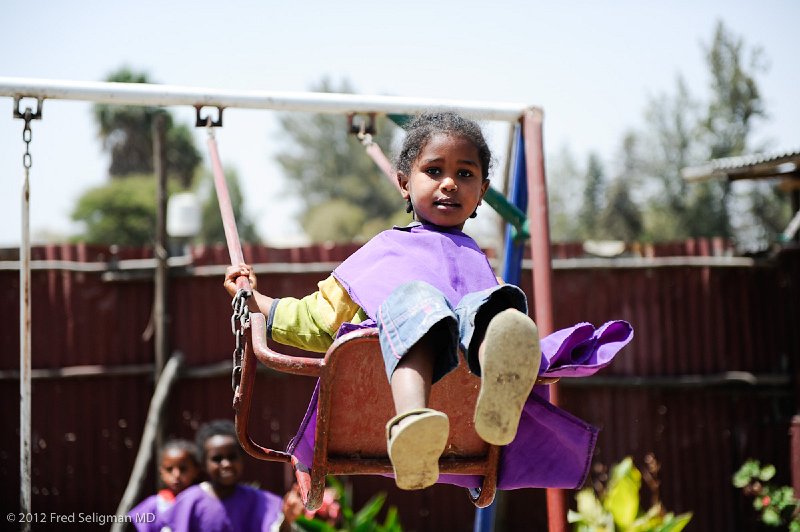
(465,173)
(433,171)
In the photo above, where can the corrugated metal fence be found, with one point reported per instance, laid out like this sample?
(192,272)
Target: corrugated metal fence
(709,380)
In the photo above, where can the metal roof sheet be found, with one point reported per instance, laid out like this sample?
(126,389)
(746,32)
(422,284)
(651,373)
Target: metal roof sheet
(754,166)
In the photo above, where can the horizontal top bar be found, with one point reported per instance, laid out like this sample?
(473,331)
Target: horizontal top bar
(315,102)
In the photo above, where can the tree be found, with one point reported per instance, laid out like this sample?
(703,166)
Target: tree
(593,197)
(565,183)
(621,218)
(344,194)
(735,97)
(754,212)
(683,133)
(126,133)
(671,143)
(122,212)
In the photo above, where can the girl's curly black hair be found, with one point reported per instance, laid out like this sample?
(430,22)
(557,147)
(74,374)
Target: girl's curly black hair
(424,126)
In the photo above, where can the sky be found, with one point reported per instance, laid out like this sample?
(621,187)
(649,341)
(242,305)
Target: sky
(591,66)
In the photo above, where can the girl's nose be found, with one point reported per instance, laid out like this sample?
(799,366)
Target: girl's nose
(448,183)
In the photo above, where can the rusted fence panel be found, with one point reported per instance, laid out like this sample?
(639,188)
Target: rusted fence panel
(709,380)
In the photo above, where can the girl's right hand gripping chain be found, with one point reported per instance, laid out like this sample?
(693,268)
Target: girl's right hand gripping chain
(258,302)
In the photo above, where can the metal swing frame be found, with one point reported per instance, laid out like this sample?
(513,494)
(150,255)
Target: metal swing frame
(530,119)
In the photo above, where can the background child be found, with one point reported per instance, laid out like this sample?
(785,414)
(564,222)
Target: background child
(221,503)
(431,292)
(179,468)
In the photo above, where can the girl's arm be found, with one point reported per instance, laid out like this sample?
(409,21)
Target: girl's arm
(258,302)
(310,323)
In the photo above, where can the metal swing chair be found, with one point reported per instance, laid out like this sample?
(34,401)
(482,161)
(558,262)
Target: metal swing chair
(348,438)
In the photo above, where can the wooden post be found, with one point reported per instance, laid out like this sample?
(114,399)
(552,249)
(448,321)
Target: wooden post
(160,317)
(151,425)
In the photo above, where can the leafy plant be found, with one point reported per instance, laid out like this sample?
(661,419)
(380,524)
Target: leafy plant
(337,508)
(776,504)
(616,506)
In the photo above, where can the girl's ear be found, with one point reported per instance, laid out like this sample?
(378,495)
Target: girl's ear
(402,180)
(484,188)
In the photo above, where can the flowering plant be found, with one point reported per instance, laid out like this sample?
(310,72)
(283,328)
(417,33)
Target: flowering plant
(337,515)
(776,504)
(615,506)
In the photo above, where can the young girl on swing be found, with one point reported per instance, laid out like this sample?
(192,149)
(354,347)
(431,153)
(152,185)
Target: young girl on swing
(431,292)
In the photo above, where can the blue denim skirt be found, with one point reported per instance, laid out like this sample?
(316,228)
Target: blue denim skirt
(414,309)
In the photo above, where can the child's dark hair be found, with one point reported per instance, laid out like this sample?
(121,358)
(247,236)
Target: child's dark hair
(217,427)
(420,130)
(181,445)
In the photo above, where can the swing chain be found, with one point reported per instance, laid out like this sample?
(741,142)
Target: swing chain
(240,320)
(27,160)
(27,134)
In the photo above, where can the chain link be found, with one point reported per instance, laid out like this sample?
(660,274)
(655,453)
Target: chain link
(27,134)
(240,320)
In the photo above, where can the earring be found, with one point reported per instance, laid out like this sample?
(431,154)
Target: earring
(409,207)
(474,214)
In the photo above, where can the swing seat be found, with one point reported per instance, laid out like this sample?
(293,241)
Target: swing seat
(354,403)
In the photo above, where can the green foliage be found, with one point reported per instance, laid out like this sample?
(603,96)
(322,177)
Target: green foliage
(593,193)
(363,520)
(617,507)
(620,219)
(122,212)
(340,186)
(776,505)
(672,141)
(564,183)
(127,134)
(736,100)
(646,198)
(683,132)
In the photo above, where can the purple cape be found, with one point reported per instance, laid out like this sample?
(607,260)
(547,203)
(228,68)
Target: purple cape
(449,260)
(247,508)
(552,448)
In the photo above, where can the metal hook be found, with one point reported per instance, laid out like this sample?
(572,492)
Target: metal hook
(28,114)
(207,121)
(364,127)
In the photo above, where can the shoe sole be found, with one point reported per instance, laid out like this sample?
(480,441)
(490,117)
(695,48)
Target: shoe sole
(415,449)
(509,371)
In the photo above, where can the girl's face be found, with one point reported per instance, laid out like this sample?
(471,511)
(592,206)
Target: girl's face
(445,184)
(223,460)
(179,470)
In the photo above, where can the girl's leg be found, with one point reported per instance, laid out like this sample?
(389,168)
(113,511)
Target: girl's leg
(510,357)
(412,377)
(419,341)
(417,330)
(502,346)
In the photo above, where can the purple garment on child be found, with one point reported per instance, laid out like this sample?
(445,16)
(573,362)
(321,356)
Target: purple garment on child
(245,510)
(146,516)
(552,448)
(448,260)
